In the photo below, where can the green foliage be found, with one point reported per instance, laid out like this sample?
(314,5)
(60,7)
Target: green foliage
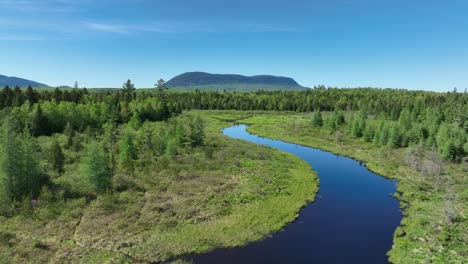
(94,168)
(369,133)
(128,86)
(173,175)
(451,141)
(317,119)
(394,138)
(19,171)
(56,157)
(135,121)
(39,123)
(196,132)
(432,228)
(127,153)
(336,120)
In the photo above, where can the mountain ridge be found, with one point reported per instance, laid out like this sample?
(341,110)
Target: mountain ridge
(195,80)
(16,81)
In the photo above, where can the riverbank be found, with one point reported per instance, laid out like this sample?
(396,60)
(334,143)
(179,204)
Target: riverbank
(353,219)
(225,194)
(425,233)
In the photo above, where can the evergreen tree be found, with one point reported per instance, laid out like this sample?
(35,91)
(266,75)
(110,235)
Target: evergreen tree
(127,153)
(128,86)
(317,120)
(94,168)
(450,142)
(181,137)
(111,134)
(368,134)
(394,137)
(171,147)
(135,121)
(161,84)
(356,130)
(7,97)
(70,133)
(18,99)
(31,95)
(340,119)
(56,157)
(39,123)
(76,145)
(197,133)
(19,170)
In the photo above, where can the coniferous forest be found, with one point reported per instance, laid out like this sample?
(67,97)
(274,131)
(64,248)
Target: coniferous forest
(100,175)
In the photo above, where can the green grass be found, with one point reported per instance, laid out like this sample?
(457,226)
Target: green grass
(192,203)
(425,235)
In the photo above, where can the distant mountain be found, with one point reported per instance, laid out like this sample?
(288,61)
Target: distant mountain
(207,81)
(15,81)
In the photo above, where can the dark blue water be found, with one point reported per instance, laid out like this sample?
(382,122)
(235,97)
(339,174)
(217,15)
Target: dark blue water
(352,219)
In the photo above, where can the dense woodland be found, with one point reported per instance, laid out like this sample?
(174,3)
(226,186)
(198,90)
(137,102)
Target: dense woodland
(407,117)
(105,137)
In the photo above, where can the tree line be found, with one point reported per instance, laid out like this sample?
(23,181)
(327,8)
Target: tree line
(113,133)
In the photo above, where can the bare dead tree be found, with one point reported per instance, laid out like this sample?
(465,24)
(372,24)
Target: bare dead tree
(338,136)
(433,165)
(449,210)
(414,157)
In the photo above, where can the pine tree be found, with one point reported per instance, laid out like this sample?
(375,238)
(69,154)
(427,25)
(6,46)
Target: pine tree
(339,118)
(135,121)
(31,96)
(56,157)
(394,138)
(39,123)
(181,137)
(197,133)
(70,133)
(128,86)
(19,169)
(127,153)
(368,134)
(18,99)
(111,134)
(317,120)
(76,145)
(161,85)
(94,168)
(7,97)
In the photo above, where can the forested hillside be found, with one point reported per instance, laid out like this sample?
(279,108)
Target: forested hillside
(191,81)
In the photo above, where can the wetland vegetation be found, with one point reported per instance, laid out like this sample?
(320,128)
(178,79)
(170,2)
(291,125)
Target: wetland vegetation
(95,176)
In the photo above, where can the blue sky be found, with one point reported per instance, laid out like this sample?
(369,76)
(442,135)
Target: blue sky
(410,44)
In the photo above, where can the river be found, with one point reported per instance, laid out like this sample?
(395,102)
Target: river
(352,219)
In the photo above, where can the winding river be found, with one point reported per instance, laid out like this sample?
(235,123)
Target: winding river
(352,219)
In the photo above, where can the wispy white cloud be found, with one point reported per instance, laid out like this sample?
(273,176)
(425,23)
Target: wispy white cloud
(107,27)
(126,28)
